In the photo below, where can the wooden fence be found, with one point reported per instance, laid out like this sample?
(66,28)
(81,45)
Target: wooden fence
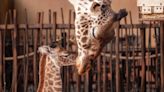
(132,62)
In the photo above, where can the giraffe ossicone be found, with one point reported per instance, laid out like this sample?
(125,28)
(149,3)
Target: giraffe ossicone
(94,27)
(51,60)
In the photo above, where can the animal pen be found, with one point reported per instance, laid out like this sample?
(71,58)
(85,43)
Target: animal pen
(132,62)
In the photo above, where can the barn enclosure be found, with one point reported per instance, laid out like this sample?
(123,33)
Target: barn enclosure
(132,62)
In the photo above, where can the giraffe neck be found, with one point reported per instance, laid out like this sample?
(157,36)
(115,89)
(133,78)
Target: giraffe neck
(50,78)
(49,69)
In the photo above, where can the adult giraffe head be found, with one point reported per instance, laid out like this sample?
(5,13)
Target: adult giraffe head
(94,27)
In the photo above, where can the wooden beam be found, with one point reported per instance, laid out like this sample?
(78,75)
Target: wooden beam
(118,88)
(14,48)
(162,55)
(143,63)
(66,26)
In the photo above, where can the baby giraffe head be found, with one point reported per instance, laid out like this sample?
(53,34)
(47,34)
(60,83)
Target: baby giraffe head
(57,55)
(94,27)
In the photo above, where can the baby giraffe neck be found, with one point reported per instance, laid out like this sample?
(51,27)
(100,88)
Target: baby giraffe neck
(50,78)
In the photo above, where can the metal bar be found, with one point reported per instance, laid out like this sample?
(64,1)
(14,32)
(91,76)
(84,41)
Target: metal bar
(162,54)
(118,88)
(14,36)
(143,71)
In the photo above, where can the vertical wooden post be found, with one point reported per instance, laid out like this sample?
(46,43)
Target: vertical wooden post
(156,60)
(99,74)
(143,71)
(86,81)
(26,52)
(35,51)
(2,56)
(14,48)
(127,55)
(1,60)
(148,64)
(111,66)
(104,73)
(4,63)
(78,82)
(68,68)
(162,54)
(48,32)
(54,26)
(117,62)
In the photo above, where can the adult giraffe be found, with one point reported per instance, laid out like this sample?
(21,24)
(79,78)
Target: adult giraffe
(94,27)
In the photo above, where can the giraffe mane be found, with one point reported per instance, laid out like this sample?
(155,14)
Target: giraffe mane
(50,54)
(41,73)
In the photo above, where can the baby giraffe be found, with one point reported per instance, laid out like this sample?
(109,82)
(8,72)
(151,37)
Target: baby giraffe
(51,60)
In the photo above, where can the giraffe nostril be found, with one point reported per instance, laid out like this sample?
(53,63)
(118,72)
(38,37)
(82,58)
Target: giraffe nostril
(103,6)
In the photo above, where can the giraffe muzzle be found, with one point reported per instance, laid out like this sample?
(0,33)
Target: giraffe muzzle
(83,68)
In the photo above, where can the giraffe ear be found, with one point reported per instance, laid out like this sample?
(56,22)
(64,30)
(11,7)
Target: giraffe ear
(72,41)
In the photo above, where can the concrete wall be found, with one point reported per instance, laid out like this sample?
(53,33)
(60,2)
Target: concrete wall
(33,6)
